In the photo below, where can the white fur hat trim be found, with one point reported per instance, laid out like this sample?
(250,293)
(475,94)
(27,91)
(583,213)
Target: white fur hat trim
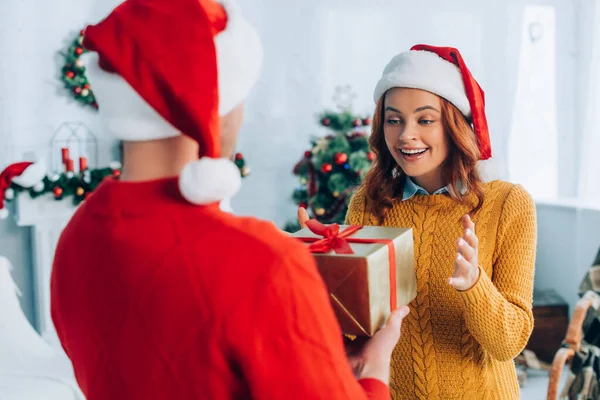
(427,71)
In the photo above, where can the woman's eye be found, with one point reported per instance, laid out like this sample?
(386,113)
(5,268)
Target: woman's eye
(426,122)
(393,121)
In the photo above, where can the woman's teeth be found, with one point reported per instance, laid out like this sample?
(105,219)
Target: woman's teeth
(410,152)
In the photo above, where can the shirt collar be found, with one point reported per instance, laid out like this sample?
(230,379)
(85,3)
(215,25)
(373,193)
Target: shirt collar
(411,189)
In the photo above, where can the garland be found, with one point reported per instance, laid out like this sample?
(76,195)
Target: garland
(66,185)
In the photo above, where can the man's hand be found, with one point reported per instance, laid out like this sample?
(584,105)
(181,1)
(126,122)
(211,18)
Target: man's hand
(370,358)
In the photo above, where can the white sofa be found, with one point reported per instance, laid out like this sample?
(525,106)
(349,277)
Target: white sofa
(30,369)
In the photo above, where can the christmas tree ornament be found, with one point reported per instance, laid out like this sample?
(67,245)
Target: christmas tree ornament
(320,212)
(357,122)
(39,187)
(326,168)
(366,121)
(57,192)
(371,156)
(340,158)
(9,194)
(79,191)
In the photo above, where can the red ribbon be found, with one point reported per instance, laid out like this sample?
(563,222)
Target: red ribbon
(339,242)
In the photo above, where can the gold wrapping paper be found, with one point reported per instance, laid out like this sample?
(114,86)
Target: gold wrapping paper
(359,283)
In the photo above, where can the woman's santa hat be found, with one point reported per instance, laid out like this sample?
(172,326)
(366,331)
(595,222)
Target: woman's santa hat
(163,68)
(441,71)
(25,174)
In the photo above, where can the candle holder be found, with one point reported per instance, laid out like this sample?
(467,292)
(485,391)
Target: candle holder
(74,148)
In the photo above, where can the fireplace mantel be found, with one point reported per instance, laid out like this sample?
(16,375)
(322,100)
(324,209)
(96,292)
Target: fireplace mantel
(47,217)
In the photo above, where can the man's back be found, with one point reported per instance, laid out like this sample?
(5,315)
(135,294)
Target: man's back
(155,298)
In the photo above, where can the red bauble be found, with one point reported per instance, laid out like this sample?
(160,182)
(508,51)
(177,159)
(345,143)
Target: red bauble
(57,191)
(95,105)
(340,158)
(326,121)
(70,74)
(79,51)
(86,86)
(116,173)
(308,154)
(82,32)
(303,205)
(371,156)
(239,156)
(366,121)
(357,122)
(77,90)
(326,168)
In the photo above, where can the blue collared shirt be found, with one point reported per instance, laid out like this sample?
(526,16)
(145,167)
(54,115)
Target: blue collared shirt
(411,189)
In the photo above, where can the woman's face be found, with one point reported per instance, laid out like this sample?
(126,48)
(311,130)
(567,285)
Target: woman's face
(414,134)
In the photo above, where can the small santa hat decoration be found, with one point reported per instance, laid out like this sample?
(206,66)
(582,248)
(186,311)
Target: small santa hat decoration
(163,68)
(441,71)
(25,174)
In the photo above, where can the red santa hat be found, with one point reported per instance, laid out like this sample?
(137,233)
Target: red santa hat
(441,71)
(25,174)
(162,68)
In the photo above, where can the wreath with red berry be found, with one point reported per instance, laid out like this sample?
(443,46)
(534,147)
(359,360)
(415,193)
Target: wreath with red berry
(73,73)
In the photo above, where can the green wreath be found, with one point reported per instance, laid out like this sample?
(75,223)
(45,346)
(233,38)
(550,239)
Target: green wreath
(73,74)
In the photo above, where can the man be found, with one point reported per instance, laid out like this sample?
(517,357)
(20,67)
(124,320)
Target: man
(157,293)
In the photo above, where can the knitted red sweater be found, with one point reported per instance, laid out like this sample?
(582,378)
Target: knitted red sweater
(154,298)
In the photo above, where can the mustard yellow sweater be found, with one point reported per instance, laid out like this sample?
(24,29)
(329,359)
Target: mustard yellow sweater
(461,345)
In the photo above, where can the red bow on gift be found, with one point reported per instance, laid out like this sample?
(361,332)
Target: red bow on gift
(339,242)
(333,239)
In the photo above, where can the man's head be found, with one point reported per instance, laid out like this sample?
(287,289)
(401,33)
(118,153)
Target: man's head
(155,79)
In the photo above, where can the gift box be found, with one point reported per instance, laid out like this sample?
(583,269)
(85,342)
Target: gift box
(369,271)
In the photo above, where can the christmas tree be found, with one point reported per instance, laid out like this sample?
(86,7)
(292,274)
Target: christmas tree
(334,167)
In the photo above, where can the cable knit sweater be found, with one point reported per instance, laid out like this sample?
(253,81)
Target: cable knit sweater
(461,345)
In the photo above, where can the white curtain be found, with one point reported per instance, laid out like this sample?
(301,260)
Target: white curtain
(589,160)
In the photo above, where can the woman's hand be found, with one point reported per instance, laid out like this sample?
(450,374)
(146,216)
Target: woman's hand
(466,266)
(302,217)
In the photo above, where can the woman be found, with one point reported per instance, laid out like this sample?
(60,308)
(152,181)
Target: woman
(474,241)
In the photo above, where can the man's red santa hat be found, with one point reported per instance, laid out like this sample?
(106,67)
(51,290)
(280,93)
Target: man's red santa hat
(441,71)
(161,68)
(25,174)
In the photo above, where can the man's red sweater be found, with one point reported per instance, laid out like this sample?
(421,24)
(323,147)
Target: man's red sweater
(155,298)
